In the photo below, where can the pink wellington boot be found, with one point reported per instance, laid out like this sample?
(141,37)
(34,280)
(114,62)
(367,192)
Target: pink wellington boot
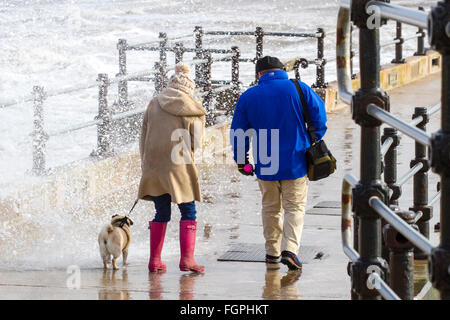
(188,231)
(157,234)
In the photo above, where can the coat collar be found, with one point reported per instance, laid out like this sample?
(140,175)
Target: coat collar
(274,75)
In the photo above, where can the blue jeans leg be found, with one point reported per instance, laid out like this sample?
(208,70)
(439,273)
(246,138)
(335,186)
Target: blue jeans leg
(188,211)
(162,206)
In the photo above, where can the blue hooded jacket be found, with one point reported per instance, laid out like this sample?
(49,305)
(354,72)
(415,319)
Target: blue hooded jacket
(270,114)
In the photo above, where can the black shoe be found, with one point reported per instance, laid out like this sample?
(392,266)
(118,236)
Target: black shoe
(272,259)
(290,259)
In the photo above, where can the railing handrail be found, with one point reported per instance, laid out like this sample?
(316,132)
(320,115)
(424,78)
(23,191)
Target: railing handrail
(348,183)
(122,115)
(266,33)
(343,56)
(402,126)
(401,14)
(400,225)
(116,79)
(388,142)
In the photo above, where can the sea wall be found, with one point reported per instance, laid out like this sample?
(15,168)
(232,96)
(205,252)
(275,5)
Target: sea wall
(391,76)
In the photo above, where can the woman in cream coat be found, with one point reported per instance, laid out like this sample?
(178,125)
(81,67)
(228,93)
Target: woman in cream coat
(172,130)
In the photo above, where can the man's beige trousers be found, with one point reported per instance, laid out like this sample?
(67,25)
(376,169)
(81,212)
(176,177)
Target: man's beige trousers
(283,234)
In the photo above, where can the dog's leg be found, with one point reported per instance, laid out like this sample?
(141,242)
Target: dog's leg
(125,257)
(106,259)
(114,263)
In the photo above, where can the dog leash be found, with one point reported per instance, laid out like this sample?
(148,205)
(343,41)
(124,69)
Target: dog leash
(134,205)
(124,220)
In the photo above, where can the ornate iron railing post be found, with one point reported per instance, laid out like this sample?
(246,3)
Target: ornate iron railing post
(207,87)
(421,183)
(420,40)
(370,185)
(352,53)
(236,91)
(104,132)
(320,63)
(401,257)
(390,163)
(163,58)
(439,32)
(123,84)
(199,70)
(259,35)
(157,78)
(39,137)
(399,44)
(390,175)
(179,52)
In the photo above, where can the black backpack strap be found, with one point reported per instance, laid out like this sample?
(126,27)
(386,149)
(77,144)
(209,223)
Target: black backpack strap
(306,115)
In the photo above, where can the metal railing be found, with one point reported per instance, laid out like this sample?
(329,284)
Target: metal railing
(201,62)
(104,121)
(345,47)
(122,113)
(260,35)
(372,200)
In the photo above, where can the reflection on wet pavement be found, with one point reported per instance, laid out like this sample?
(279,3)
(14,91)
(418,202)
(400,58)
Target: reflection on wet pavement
(187,282)
(158,280)
(114,288)
(156,288)
(281,287)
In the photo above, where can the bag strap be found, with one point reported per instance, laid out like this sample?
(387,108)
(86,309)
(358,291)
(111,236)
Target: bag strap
(306,115)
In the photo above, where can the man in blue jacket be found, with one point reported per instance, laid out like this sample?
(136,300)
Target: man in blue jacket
(270,116)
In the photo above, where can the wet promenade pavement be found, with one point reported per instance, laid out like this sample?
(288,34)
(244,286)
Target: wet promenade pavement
(230,215)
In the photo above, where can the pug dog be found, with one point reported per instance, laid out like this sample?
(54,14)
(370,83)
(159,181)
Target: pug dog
(114,240)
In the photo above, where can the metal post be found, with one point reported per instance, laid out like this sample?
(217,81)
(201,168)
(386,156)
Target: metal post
(390,163)
(421,183)
(158,80)
(401,258)
(302,62)
(207,87)
(369,237)
(122,85)
(39,136)
(420,40)
(179,52)
(236,91)
(198,32)
(104,134)
(259,34)
(390,175)
(352,53)
(399,45)
(320,66)
(440,160)
(163,58)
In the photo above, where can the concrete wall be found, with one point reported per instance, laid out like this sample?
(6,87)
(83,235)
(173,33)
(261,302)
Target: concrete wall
(93,185)
(96,184)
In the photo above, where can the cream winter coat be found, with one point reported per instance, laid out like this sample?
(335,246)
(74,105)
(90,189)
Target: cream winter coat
(172,129)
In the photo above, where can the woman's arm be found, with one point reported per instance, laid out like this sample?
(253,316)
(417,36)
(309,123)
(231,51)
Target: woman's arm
(196,131)
(143,134)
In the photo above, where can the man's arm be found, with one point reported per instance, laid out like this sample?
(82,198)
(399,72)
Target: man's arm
(239,126)
(316,108)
